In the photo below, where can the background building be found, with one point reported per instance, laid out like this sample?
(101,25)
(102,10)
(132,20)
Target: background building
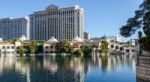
(86,35)
(14,28)
(61,23)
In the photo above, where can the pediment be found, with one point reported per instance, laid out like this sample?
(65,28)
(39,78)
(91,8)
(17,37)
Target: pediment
(52,7)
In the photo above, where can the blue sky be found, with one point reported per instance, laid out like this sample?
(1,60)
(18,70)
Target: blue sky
(101,16)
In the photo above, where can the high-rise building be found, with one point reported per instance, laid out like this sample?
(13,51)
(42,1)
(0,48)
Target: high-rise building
(61,23)
(14,28)
(86,35)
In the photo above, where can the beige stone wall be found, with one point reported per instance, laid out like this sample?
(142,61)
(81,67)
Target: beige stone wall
(143,67)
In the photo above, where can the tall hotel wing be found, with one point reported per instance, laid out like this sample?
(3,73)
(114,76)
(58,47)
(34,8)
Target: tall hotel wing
(61,23)
(14,28)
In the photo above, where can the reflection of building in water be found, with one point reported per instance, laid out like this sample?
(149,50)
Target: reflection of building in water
(6,62)
(86,66)
(24,69)
(50,64)
(27,70)
(53,69)
(62,71)
(7,70)
(109,63)
(77,66)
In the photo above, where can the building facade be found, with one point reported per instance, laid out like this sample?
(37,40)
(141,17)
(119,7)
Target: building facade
(14,28)
(50,46)
(7,47)
(61,23)
(86,35)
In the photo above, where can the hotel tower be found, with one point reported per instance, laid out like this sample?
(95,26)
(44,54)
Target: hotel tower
(14,28)
(61,23)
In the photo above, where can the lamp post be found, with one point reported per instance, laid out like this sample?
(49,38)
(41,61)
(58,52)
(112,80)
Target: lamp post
(140,35)
(140,50)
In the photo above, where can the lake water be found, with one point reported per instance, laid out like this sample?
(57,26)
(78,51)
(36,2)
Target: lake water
(68,69)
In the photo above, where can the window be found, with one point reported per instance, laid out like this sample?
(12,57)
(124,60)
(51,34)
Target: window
(51,46)
(127,50)
(3,47)
(17,47)
(133,50)
(8,47)
(46,52)
(121,48)
(112,46)
(46,47)
(117,47)
(12,47)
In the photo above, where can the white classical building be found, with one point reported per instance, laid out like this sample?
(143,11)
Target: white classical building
(123,47)
(7,47)
(23,38)
(50,45)
(78,43)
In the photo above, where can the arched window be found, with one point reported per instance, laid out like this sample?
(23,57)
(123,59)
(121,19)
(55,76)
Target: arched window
(112,46)
(12,47)
(8,47)
(46,47)
(117,47)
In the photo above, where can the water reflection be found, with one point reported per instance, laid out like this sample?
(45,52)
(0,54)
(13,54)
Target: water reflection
(68,69)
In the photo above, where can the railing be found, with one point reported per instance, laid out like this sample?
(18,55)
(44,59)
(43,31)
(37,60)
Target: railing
(146,53)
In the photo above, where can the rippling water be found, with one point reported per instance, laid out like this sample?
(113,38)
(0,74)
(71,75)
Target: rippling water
(68,69)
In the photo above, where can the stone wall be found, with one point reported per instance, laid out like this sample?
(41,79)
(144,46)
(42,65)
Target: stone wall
(143,67)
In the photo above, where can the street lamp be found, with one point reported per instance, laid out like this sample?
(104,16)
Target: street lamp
(140,50)
(140,36)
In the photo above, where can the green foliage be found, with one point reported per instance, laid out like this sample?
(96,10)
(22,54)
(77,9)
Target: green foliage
(145,43)
(87,50)
(20,50)
(140,20)
(40,49)
(14,40)
(33,47)
(64,46)
(78,52)
(28,47)
(104,47)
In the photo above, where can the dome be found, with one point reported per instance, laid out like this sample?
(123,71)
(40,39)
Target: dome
(23,38)
(52,40)
(77,39)
(53,7)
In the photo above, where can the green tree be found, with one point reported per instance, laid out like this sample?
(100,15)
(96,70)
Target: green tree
(14,40)
(145,43)
(78,52)
(33,47)
(104,47)
(64,46)
(20,50)
(40,48)
(140,20)
(87,50)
